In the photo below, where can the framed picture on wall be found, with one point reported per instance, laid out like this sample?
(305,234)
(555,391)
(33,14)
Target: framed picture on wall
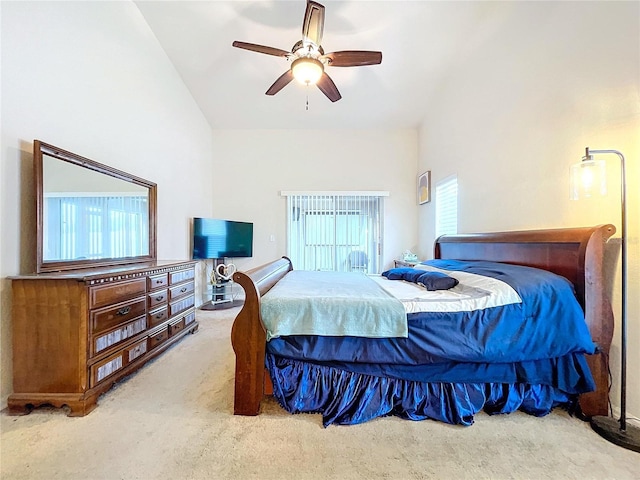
(424,187)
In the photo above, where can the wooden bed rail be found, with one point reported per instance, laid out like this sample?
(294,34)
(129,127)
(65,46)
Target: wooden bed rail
(248,335)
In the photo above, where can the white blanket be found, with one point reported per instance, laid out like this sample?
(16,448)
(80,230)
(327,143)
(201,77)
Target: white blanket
(474,292)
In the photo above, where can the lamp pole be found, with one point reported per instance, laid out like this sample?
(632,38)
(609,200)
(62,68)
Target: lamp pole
(618,432)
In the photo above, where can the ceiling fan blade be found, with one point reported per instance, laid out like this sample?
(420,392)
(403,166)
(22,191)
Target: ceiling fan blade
(262,49)
(282,81)
(313,23)
(326,86)
(353,58)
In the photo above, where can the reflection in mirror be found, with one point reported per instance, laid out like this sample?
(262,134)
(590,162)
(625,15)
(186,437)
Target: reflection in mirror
(87,214)
(90,214)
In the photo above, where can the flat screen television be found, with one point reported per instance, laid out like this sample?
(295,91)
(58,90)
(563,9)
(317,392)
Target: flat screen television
(214,238)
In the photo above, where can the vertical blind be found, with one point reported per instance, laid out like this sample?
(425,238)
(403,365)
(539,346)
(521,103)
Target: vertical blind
(117,227)
(447,206)
(337,231)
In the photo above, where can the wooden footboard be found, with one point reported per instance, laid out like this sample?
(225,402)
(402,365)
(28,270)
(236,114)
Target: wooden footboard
(248,335)
(575,253)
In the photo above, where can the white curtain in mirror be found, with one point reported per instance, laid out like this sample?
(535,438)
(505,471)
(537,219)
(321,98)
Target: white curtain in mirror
(90,227)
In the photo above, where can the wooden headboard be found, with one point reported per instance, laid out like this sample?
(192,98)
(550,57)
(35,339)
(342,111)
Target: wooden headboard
(575,253)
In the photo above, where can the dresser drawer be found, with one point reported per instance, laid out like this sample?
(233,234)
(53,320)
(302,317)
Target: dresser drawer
(116,362)
(157,338)
(100,296)
(108,339)
(107,367)
(189,317)
(182,276)
(176,327)
(181,305)
(181,290)
(108,317)
(156,298)
(158,281)
(158,316)
(135,351)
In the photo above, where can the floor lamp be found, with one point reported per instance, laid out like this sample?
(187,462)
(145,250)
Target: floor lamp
(587,177)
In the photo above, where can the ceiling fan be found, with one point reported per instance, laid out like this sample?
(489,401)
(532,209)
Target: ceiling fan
(308,60)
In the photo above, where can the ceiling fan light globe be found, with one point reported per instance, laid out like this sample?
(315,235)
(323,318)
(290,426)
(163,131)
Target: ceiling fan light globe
(307,70)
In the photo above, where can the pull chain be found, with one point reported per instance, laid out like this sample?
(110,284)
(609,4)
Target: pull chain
(306,105)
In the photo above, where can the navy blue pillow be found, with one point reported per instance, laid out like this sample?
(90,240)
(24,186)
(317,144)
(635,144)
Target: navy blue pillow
(413,275)
(397,273)
(436,281)
(429,280)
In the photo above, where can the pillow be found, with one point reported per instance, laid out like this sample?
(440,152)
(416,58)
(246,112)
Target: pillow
(429,280)
(436,281)
(397,273)
(413,275)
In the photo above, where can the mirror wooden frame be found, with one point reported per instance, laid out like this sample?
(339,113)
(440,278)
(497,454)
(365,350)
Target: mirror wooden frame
(39,150)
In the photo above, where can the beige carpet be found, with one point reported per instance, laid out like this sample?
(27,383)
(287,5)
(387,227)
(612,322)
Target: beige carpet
(173,420)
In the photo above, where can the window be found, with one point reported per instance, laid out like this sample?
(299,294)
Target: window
(447,206)
(337,231)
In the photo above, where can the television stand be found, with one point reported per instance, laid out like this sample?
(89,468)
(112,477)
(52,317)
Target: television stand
(221,296)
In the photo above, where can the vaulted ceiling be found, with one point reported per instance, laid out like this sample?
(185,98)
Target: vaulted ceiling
(420,42)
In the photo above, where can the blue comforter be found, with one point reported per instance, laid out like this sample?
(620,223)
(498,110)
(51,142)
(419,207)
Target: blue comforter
(528,356)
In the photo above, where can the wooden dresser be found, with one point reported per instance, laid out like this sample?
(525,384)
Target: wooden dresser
(76,333)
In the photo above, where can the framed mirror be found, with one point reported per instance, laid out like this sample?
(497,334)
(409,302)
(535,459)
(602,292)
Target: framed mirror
(89,214)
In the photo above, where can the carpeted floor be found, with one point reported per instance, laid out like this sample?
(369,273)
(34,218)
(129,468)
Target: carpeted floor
(173,420)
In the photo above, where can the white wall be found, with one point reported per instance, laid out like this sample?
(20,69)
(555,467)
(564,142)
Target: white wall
(514,115)
(90,77)
(256,165)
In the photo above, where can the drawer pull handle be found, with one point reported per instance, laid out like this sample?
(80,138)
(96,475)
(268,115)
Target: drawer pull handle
(159,281)
(183,289)
(124,310)
(159,298)
(159,315)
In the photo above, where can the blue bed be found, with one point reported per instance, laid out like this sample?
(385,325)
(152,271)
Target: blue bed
(531,355)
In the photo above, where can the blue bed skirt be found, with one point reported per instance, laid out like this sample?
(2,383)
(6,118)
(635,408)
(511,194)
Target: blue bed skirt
(349,397)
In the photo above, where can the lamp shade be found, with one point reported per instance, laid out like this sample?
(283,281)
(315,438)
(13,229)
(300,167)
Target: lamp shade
(307,70)
(588,179)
